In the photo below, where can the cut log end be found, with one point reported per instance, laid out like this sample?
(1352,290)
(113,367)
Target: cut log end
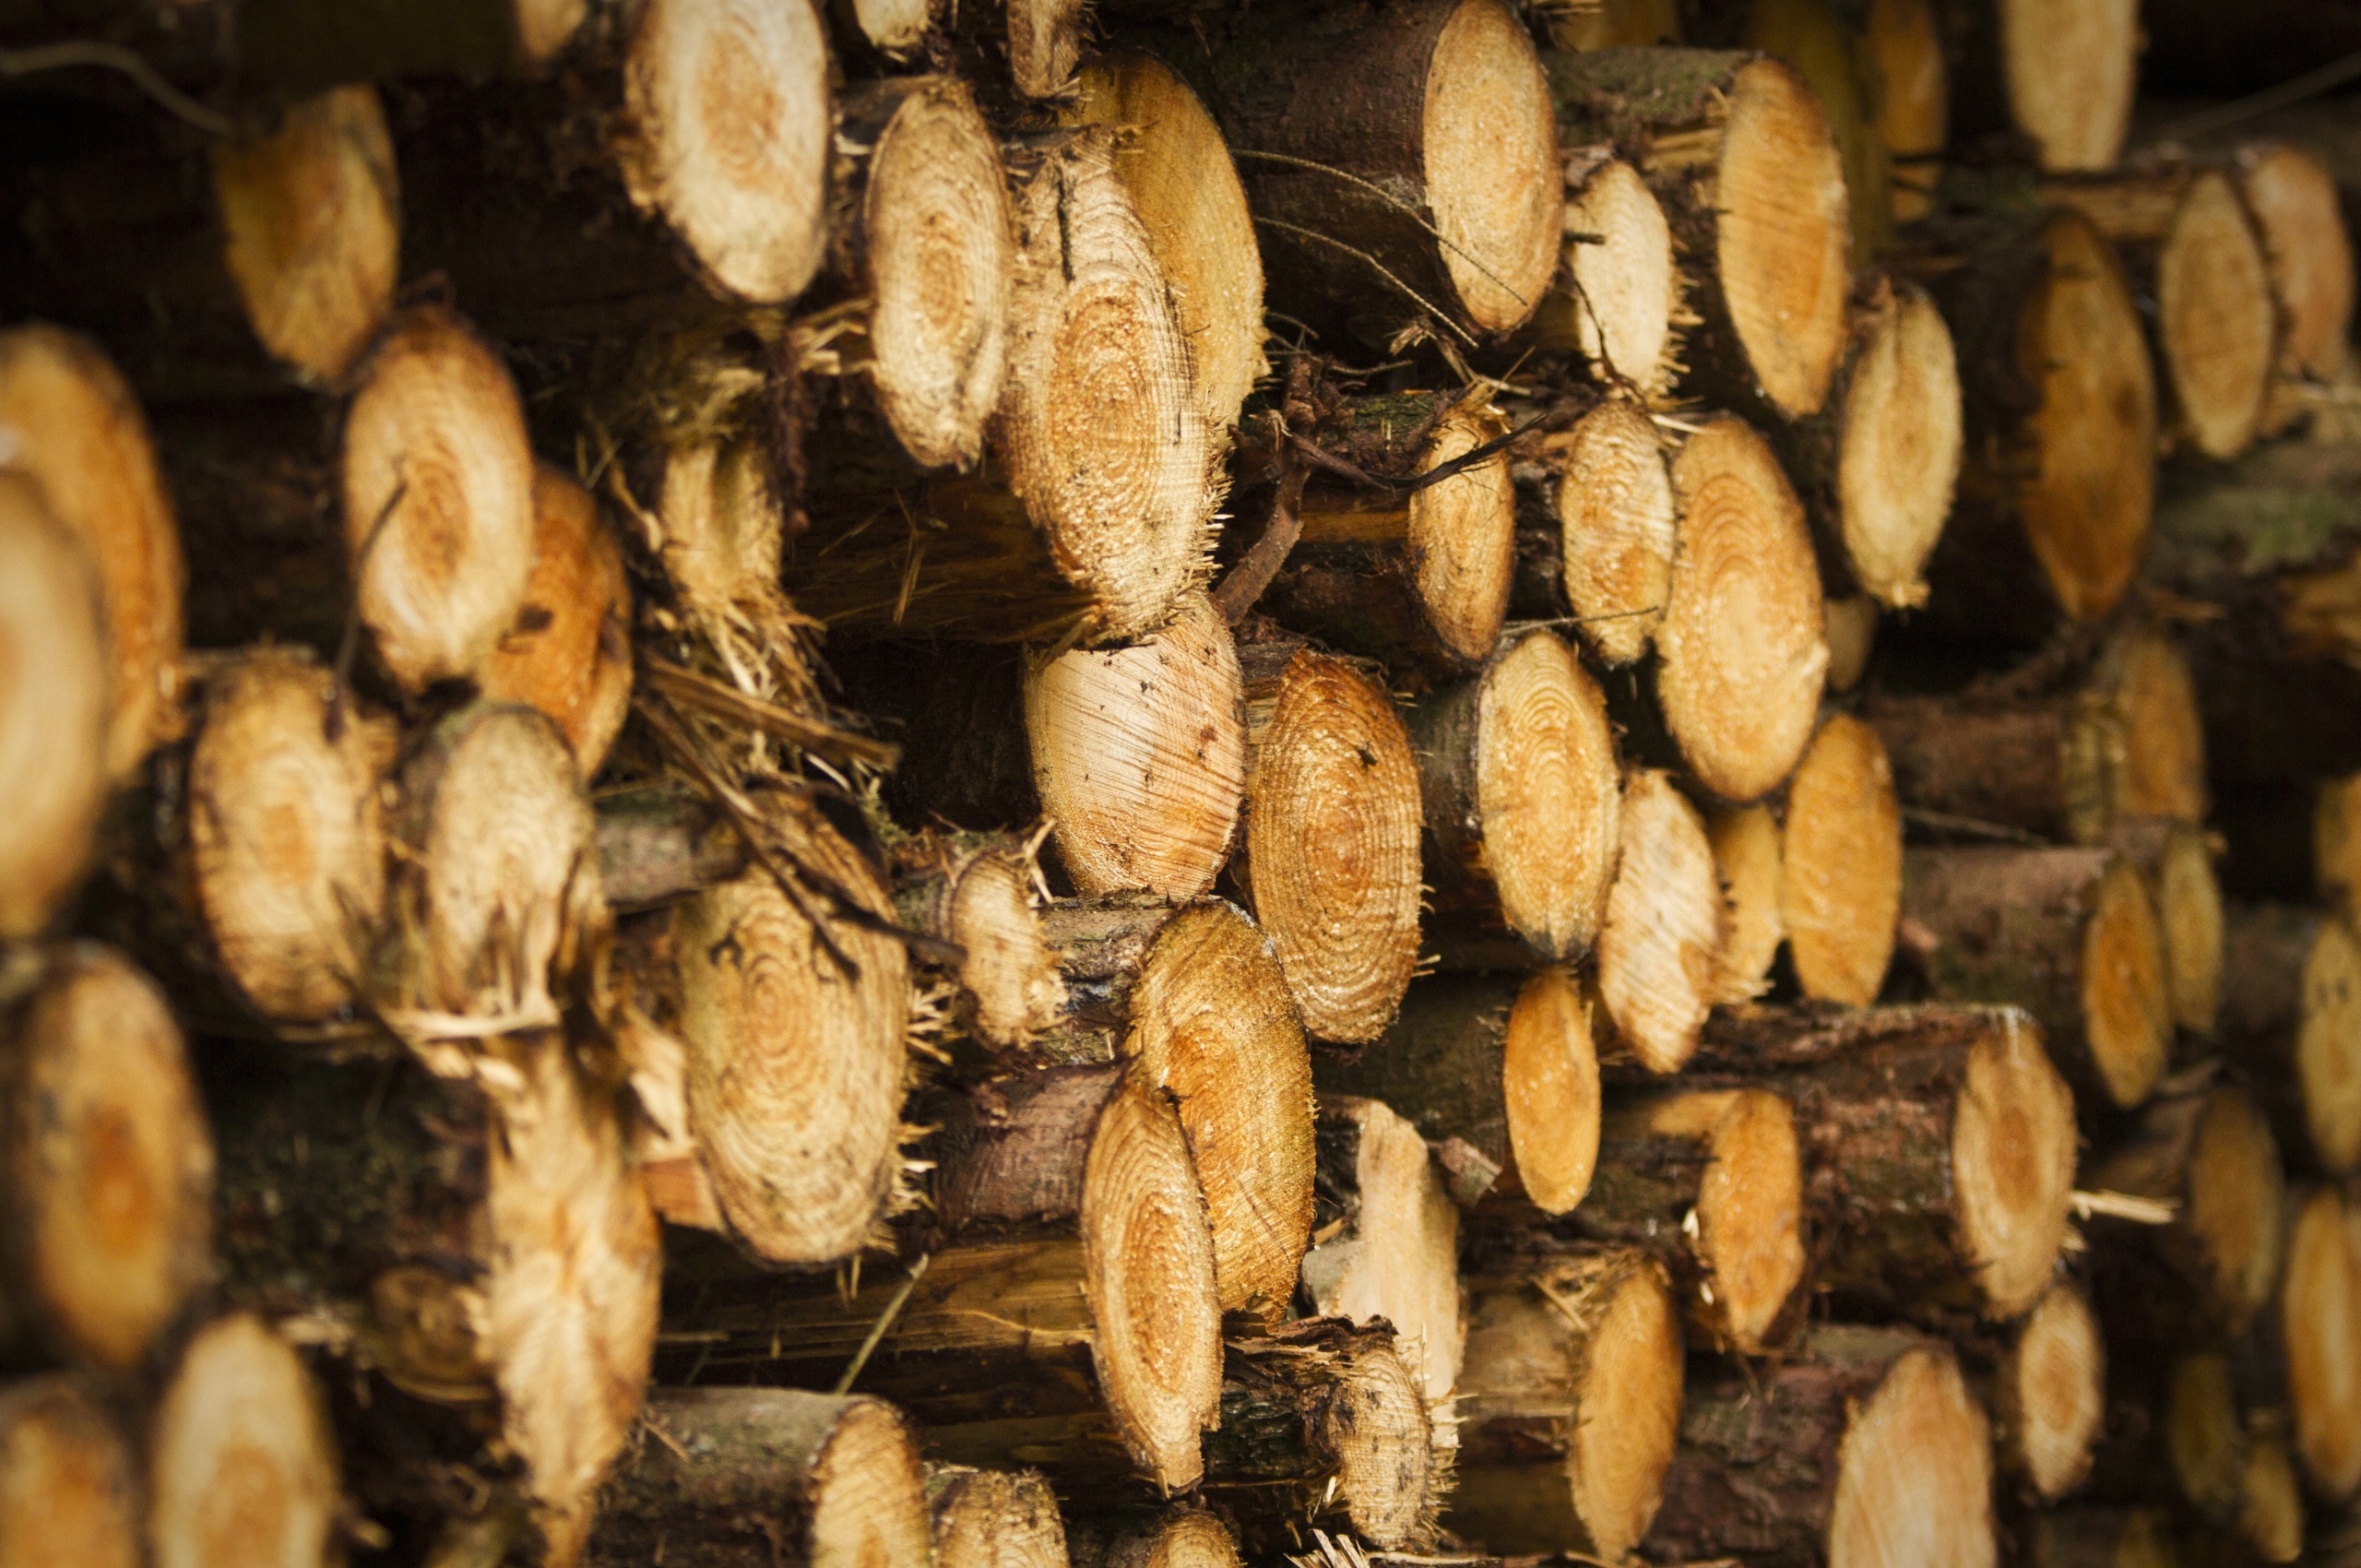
(1914,1482)
(2270,1501)
(1742,656)
(1747,848)
(1625,284)
(1784,248)
(2163,732)
(1850,627)
(2204,1440)
(1618,529)
(995,1519)
(940,263)
(1139,754)
(866,1501)
(2189,905)
(1841,856)
(1550,1090)
(729,111)
(1659,950)
(1377,1425)
(2295,203)
(2127,1005)
(2053,1393)
(568,651)
(108,1219)
(1492,176)
(2320,1322)
(68,1485)
(2328,1045)
(54,684)
(1185,1536)
(287,838)
(1399,1259)
(2216,321)
(1906,40)
(311,215)
(2088,502)
(242,1465)
(1462,531)
(2012,1165)
(1213,1026)
(1899,455)
(2070,73)
(1009,983)
(1148,1264)
(1547,795)
(1332,841)
(1629,1401)
(437,482)
(2234,1195)
(1748,1208)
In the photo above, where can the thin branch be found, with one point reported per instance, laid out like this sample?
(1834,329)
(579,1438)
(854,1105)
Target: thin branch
(1375,265)
(90,53)
(2311,84)
(712,697)
(1246,581)
(884,1321)
(1390,199)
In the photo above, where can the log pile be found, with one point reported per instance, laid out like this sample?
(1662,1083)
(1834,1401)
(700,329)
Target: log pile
(1191,784)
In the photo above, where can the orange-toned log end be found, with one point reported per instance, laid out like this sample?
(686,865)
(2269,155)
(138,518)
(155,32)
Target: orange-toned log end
(2270,1501)
(2127,1005)
(1139,755)
(1850,627)
(311,219)
(54,681)
(241,1464)
(437,495)
(69,1486)
(2162,748)
(1898,455)
(1659,951)
(1332,841)
(1546,795)
(1631,1406)
(568,650)
(1750,1209)
(1784,247)
(2235,1196)
(2052,1395)
(2216,320)
(1742,656)
(108,1216)
(2070,73)
(2088,492)
(1746,851)
(2012,1166)
(728,105)
(1841,860)
(1149,1274)
(1490,141)
(1549,1089)
(2328,1045)
(1187,1535)
(1914,1479)
(2188,906)
(2295,203)
(287,833)
(1213,1026)
(994,1519)
(1398,1255)
(68,419)
(1618,529)
(1462,536)
(2320,1326)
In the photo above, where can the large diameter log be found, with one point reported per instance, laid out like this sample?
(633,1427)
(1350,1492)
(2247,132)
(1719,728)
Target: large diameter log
(1660,947)
(994,1519)
(2208,1274)
(53,711)
(2292,986)
(2048,1394)
(1841,864)
(108,1221)
(2060,757)
(69,1485)
(242,1465)
(473,1242)
(1499,1073)
(1392,1248)
(568,652)
(1617,528)
(1330,857)
(742,1478)
(1614,304)
(1748,845)
(69,422)
(1742,660)
(2069,935)
(1866,1448)
(1518,782)
(2320,1327)
(1569,1406)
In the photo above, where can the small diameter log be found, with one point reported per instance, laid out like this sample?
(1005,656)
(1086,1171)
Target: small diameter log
(2295,203)
(107,1224)
(437,496)
(1330,854)
(2061,78)
(242,1463)
(2205,1435)
(1737,148)
(568,652)
(1614,303)
(1876,466)
(2319,1326)
(2271,1501)
(979,892)
(794,1024)
(2336,838)
(69,1485)
(1518,782)
(1866,1448)
(2055,497)
(1499,1073)
(1569,1406)
(1850,627)
(1418,578)
(2069,935)
(1905,47)
(1742,661)
(1094,514)
(2048,1394)
(1660,947)
(2179,861)
(1173,160)
(1840,865)
(1617,528)
(1443,102)
(2118,736)
(767,1477)
(1388,1242)
(2291,985)
(1939,1143)
(1747,844)
(1139,755)
(1185,1535)
(69,422)
(53,710)
(994,1519)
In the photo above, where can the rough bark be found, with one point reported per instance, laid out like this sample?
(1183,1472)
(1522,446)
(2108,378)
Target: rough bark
(2292,976)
